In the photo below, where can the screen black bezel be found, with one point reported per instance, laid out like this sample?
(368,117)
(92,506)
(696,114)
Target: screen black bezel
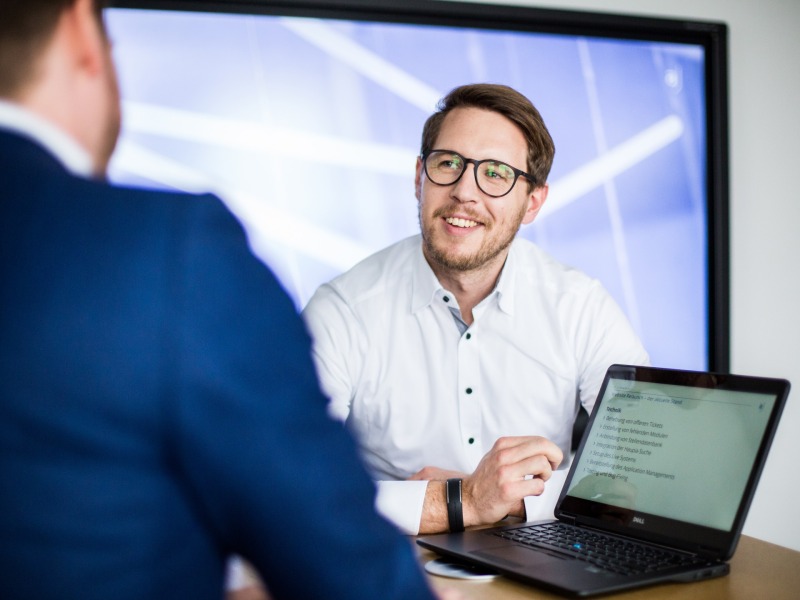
(712,36)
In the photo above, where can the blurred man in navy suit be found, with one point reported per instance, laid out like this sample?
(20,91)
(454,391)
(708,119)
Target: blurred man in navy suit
(159,410)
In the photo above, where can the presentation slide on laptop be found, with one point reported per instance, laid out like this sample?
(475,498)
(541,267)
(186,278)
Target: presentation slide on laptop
(659,449)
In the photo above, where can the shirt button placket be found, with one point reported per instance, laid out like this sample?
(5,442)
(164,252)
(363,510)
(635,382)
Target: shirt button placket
(469,401)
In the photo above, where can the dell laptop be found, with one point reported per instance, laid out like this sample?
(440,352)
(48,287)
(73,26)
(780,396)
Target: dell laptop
(657,491)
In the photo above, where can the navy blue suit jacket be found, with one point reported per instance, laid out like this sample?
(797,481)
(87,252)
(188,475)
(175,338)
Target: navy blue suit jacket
(159,409)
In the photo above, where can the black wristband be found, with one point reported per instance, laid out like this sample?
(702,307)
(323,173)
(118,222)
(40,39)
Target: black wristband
(455,514)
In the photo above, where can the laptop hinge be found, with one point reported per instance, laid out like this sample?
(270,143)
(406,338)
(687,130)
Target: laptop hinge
(568,519)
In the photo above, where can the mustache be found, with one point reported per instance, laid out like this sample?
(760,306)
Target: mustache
(462,212)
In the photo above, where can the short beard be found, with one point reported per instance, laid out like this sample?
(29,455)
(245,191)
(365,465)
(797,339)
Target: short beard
(460,263)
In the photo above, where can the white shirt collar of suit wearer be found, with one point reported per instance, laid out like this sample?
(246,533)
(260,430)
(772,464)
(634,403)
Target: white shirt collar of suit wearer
(61,145)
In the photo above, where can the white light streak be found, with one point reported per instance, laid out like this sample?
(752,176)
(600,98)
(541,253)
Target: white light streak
(366,62)
(615,161)
(251,136)
(264,223)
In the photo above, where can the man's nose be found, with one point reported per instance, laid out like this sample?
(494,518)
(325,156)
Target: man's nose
(466,188)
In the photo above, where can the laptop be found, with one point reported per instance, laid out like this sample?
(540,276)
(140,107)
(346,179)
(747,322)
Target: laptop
(657,491)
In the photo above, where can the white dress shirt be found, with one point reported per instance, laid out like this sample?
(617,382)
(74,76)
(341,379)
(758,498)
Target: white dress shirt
(416,389)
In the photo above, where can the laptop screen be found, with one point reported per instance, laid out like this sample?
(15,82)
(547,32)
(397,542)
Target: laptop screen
(674,448)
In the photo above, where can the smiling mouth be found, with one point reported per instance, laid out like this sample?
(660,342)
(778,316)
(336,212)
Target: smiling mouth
(464,223)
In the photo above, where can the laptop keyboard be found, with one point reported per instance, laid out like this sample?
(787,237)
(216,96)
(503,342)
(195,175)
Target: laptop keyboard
(606,552)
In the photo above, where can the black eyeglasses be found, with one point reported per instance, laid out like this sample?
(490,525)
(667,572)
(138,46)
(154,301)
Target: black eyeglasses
(493,178)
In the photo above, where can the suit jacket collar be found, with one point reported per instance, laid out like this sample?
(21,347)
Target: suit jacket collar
(19,154)
(17,119)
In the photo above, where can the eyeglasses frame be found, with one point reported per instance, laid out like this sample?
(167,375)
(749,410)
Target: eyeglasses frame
(517,172)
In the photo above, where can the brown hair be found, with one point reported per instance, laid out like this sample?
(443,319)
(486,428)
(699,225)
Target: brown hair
(25,28)
(509,103)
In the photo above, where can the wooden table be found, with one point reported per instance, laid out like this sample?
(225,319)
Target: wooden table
(759,571)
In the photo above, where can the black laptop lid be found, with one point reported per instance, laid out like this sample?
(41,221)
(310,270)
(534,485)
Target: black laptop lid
(673,456)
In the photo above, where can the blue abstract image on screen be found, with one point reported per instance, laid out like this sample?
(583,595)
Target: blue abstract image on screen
(310,129)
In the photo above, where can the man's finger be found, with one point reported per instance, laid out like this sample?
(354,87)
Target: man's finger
(510,450)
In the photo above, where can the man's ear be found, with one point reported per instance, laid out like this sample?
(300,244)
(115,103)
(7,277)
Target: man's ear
(86,36)
(418,180)
(536,199)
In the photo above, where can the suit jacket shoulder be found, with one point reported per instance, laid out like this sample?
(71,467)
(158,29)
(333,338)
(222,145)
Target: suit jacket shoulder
(159,409)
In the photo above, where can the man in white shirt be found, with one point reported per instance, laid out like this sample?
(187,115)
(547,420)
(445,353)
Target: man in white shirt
(459,357)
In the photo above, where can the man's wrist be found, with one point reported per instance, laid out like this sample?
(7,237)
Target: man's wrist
(455,511)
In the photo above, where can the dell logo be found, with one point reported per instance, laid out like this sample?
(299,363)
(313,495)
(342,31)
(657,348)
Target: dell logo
(638,520)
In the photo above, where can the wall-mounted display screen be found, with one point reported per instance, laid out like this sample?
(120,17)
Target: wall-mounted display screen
(307,123)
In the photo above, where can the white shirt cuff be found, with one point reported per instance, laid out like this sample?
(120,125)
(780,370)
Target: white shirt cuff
(237,576)
(401,503)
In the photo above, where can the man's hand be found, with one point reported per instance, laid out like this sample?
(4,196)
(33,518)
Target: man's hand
(515,467)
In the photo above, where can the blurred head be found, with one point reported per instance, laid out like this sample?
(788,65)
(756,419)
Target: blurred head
(504,101)
(45,43)
(26,27)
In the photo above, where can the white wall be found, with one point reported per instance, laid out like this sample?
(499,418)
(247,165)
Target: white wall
(764,87)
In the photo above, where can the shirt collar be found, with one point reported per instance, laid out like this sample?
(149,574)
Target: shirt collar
(62,146)
(426,287)
(507,283)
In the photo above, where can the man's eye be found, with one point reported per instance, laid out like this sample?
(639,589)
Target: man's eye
(498,171)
